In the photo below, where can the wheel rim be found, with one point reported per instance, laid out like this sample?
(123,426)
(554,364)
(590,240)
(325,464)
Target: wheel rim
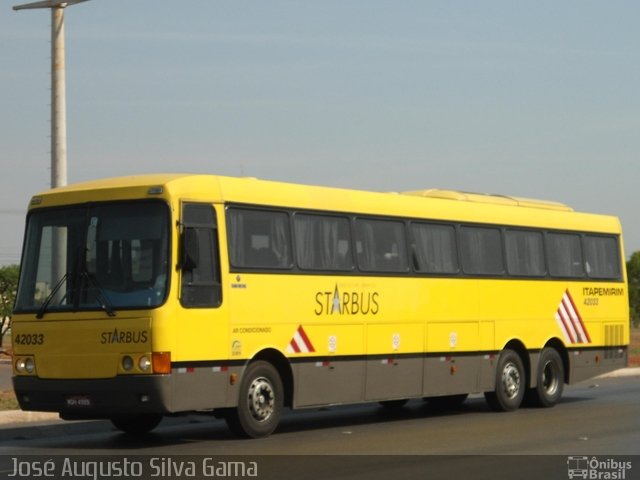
(261,399)
(550,380)
(511,380)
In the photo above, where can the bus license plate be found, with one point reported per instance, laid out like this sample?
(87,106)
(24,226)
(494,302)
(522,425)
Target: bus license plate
(81,401)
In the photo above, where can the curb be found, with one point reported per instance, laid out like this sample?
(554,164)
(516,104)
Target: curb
(12,418)
(623,372)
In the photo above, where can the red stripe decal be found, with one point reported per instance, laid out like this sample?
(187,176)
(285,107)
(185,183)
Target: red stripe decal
(575,309)
(305,339)
(568,325)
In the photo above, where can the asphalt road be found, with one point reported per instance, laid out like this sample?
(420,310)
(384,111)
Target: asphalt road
(600,418)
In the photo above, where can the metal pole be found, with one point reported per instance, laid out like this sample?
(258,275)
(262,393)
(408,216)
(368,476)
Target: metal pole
(59,239)
(58,139)
(58,90)
(58,100)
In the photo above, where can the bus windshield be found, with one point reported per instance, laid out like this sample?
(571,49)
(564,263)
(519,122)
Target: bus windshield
(102,256)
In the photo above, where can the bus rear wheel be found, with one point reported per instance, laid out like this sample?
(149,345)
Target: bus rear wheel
(510,383)
(136,424)
(550,381)
(260,402)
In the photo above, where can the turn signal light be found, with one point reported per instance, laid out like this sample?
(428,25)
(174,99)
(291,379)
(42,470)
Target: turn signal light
(161,362)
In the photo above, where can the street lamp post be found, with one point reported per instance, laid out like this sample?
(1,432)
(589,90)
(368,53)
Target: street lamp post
(58,126)
(58,90)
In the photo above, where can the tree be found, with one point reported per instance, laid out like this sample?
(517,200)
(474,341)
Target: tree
(8,289)
(633,276)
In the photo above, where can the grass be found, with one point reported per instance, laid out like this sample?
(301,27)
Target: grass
(8,401)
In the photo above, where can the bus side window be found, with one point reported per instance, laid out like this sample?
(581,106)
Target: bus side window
(199,257)
(481,250)
(525,253)
(381,245)
(565,255)
(259,239)
(322,242)
(434,248)
(601,257)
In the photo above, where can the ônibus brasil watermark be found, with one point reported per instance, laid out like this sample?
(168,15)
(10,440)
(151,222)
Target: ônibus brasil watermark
(594,468)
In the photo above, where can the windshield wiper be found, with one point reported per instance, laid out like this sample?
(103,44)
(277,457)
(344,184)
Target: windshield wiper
(80,277)
(50,297)
(101,297)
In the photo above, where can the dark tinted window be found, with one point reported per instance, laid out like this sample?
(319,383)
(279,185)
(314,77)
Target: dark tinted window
(86,256)
(434,248)
(200,265)
(259,239)
(322,242)
(381,246)
(601,255)
(525,253)
(565,255)
(481,251)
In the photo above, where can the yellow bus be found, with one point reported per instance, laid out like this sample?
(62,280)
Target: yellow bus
(147,296)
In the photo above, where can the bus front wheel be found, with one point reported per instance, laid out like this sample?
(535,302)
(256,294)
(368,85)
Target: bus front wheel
(510,383)
(260,402)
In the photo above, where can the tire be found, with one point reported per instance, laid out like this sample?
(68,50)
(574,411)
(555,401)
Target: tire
(549,381)
(260,402)
(510,383)
(136,424)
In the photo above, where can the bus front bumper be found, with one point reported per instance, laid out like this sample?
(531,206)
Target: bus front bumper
(95,398)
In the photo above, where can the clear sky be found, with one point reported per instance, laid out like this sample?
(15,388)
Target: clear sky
(536,99)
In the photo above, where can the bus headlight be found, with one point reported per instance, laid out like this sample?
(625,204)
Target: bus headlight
(144,363)
(21,365)
(135,363)
(25,365)
(127,363)
(29,365)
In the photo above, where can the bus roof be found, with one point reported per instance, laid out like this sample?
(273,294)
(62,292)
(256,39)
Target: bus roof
(428,204)
(492,198)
